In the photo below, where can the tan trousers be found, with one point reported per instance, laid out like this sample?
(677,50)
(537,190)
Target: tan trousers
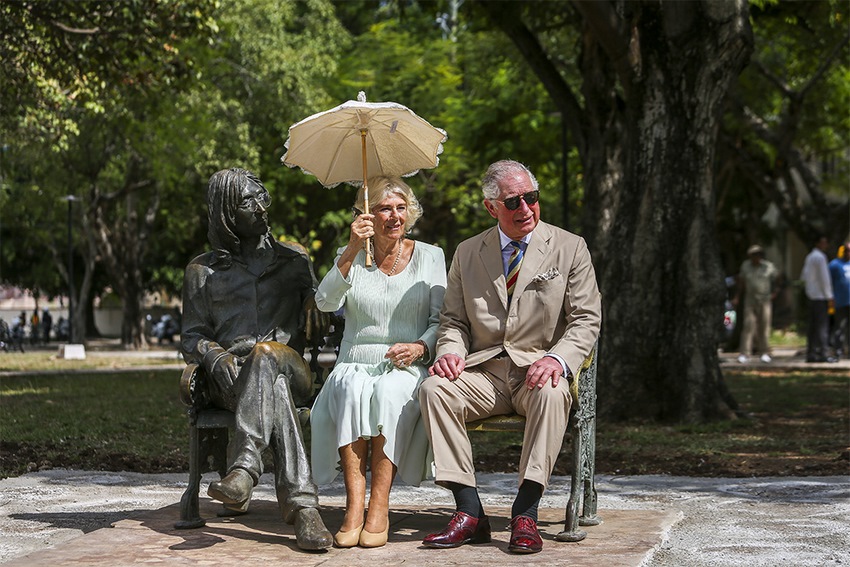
(494,387)
(757,322)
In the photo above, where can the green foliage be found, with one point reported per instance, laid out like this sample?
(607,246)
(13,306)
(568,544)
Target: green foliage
(791,99)
(60,57)
(274,64)
(130,103)
(792,41)
(475,88)
(183,89)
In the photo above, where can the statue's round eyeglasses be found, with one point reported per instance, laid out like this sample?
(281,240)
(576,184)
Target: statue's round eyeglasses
(261,199)
(512,203)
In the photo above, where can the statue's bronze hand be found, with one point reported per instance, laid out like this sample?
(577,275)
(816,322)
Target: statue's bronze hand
(225,372)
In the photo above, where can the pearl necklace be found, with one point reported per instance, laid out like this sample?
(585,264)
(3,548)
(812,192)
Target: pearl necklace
(397,257)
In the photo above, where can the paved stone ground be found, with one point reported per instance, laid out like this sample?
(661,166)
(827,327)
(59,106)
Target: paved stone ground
(61,517)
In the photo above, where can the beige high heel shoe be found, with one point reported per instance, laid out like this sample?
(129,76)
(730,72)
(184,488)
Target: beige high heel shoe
(349,538)
(368,539)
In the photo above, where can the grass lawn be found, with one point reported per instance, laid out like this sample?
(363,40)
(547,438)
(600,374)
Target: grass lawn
(102,421)
(49,362)
(798,424)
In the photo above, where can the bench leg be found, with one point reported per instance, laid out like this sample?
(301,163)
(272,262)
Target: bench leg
(588,513)
(190,516)
(571,531)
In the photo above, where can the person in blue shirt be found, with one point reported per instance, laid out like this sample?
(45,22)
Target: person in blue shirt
(839,273)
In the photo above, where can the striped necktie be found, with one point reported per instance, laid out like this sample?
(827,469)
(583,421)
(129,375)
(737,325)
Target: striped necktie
(514,264)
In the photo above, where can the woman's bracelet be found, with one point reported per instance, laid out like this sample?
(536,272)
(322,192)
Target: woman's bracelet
(424,347)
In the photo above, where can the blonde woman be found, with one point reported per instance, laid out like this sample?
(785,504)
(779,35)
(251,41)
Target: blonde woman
(369,402)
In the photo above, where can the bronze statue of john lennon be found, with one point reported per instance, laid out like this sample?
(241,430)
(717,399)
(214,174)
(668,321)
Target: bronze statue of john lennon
(247,306)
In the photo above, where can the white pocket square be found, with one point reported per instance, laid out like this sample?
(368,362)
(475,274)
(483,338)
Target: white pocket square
(548,275)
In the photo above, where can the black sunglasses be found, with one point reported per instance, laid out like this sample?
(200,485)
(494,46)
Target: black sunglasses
(512,203)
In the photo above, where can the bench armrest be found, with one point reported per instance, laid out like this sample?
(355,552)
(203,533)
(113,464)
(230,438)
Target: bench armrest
(189,387)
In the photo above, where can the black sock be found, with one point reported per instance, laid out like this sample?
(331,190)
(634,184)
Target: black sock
(527,500)
(466,498)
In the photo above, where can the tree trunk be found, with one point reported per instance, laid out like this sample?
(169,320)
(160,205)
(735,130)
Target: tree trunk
(655,75)
(122,235)
(132,325)
(652,187)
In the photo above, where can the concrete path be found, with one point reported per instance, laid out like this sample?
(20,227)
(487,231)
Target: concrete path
(783,358)
(62,518)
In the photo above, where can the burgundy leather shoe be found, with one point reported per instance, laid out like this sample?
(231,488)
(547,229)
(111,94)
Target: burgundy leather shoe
(462,529)
(524,536)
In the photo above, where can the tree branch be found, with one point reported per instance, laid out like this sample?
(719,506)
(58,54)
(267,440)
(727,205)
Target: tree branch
(813,80)
(607,29)
(506,16)
(147,227)
(126,190)
(69,29)
(825,65)
(765,72)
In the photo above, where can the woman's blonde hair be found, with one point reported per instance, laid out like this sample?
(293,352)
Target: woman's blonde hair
(380,187)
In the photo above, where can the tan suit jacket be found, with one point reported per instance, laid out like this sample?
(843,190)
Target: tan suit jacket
(556,307)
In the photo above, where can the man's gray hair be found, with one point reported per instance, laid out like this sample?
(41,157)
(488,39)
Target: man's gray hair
(500,170)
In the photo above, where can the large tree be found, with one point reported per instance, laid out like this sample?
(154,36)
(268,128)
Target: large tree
(140,101)
(645,122)
(75,79)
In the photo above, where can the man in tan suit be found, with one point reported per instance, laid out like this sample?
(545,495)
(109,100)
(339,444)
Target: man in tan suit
(521,311)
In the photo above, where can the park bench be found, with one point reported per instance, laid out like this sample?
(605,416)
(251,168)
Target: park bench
(210,428)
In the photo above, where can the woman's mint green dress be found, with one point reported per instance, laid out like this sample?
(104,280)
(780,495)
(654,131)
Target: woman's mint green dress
(365,395)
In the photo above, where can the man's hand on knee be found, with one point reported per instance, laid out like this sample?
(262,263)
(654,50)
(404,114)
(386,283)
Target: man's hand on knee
(542,371)
(448,366)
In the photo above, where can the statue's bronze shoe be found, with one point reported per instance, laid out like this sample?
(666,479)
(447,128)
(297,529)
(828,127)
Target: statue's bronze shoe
(310,531)
(235,488)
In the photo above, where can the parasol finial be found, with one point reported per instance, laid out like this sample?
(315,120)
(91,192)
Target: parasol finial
(361,96)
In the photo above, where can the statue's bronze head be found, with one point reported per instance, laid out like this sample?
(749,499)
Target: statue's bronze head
(224,195)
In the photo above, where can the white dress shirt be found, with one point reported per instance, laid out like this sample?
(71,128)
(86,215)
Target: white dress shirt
(816,276)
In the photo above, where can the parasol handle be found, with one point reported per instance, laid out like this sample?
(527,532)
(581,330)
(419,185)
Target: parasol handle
(365,194)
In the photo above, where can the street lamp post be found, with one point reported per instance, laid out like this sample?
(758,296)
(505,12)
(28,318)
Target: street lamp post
(3,149)
(70,199)
(565,182)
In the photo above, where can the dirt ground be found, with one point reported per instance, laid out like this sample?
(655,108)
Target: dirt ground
(646,460)
(811,440)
